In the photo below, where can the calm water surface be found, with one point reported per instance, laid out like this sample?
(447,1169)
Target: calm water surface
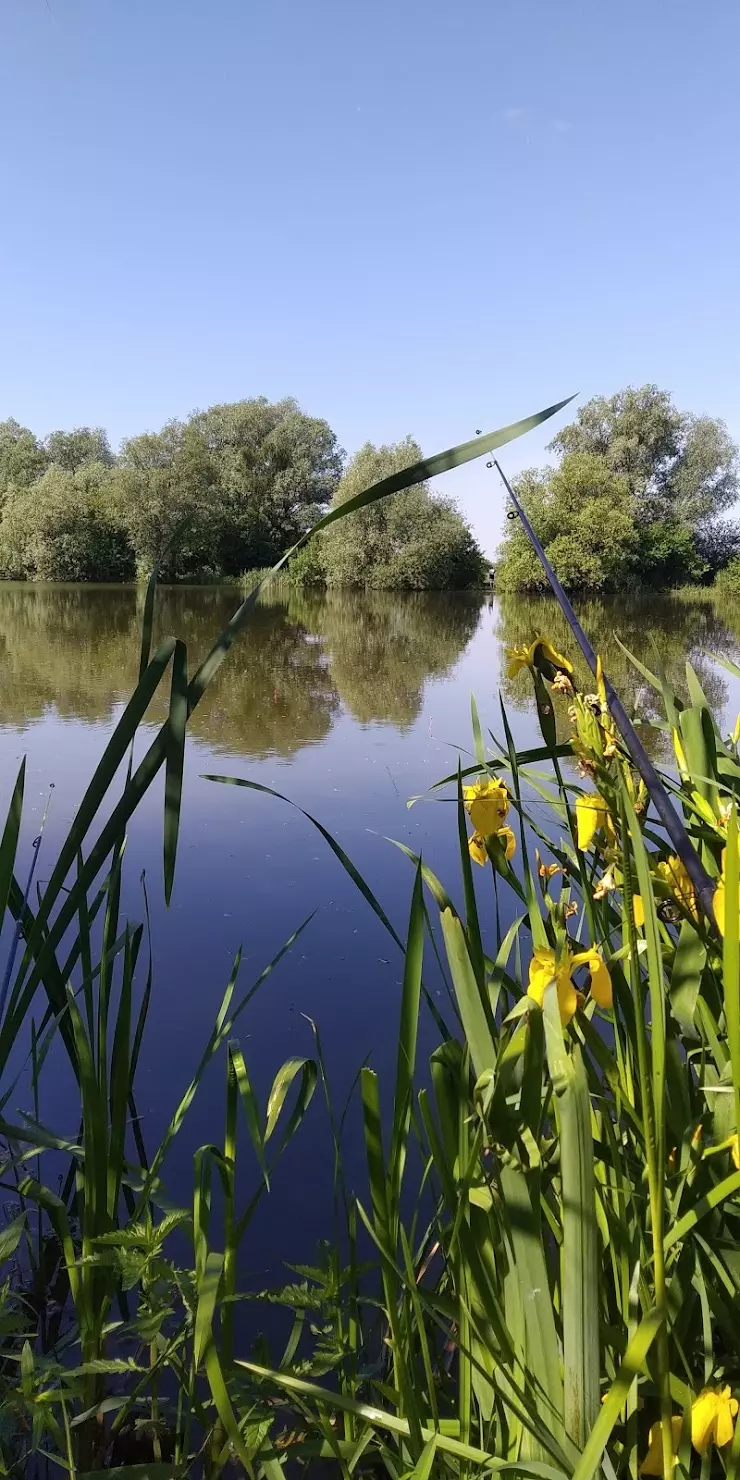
(348,704)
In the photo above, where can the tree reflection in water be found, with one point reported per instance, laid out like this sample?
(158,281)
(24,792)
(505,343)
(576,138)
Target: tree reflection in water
(73,650)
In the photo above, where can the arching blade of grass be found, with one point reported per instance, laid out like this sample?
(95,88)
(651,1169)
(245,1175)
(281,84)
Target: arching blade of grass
(429,467)
(337,850)
(495,764)
(354,874)
(380,1418)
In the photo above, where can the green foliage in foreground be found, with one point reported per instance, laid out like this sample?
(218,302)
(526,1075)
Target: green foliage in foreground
(543,1258)
(635,502)
(115,1350)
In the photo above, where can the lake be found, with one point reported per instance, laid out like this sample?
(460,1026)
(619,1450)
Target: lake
(350,705)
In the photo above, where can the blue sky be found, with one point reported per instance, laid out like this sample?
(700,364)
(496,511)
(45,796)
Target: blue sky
(414,216)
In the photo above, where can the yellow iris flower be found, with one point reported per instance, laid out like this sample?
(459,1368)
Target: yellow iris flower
(653,1461)
(712,1417)
(712,1422)
(591,814)
(719,900)
(487,802)
(719,905)
(544,969)
(477,845)
(673,873)
(530,657)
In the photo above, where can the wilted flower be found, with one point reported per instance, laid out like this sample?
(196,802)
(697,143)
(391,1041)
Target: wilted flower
(477,845)
(546,870)
(606,884)
(561,683)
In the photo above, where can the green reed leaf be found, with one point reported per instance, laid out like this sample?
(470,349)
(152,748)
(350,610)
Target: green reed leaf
(176,726)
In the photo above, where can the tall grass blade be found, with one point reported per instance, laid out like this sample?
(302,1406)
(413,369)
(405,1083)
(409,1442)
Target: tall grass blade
(9,843)
(176,726)
(407,1041)
(473,1003)
(147,624)
(579,1254)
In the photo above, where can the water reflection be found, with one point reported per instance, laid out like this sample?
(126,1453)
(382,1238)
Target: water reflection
(74,651)
(674,628)
(382,648)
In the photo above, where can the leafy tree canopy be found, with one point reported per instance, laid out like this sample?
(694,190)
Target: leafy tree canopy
(412,540)
(22,458)
(635,498)
(230,488)
(75,449)
(64,528)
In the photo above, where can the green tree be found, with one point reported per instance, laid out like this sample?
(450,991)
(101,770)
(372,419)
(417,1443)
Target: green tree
(228,490)
(72,450)
(636,498)
(164,486)
(410,541)
(275,471)
(676,464)
(583,514)
(63,528)
(22,458)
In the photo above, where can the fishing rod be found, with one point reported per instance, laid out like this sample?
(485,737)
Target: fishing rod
(667,813)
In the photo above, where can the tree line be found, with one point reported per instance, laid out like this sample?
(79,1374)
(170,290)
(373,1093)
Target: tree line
(226,491)
(639,498)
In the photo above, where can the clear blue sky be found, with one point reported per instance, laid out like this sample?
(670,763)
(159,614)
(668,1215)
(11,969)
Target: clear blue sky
(419,216)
